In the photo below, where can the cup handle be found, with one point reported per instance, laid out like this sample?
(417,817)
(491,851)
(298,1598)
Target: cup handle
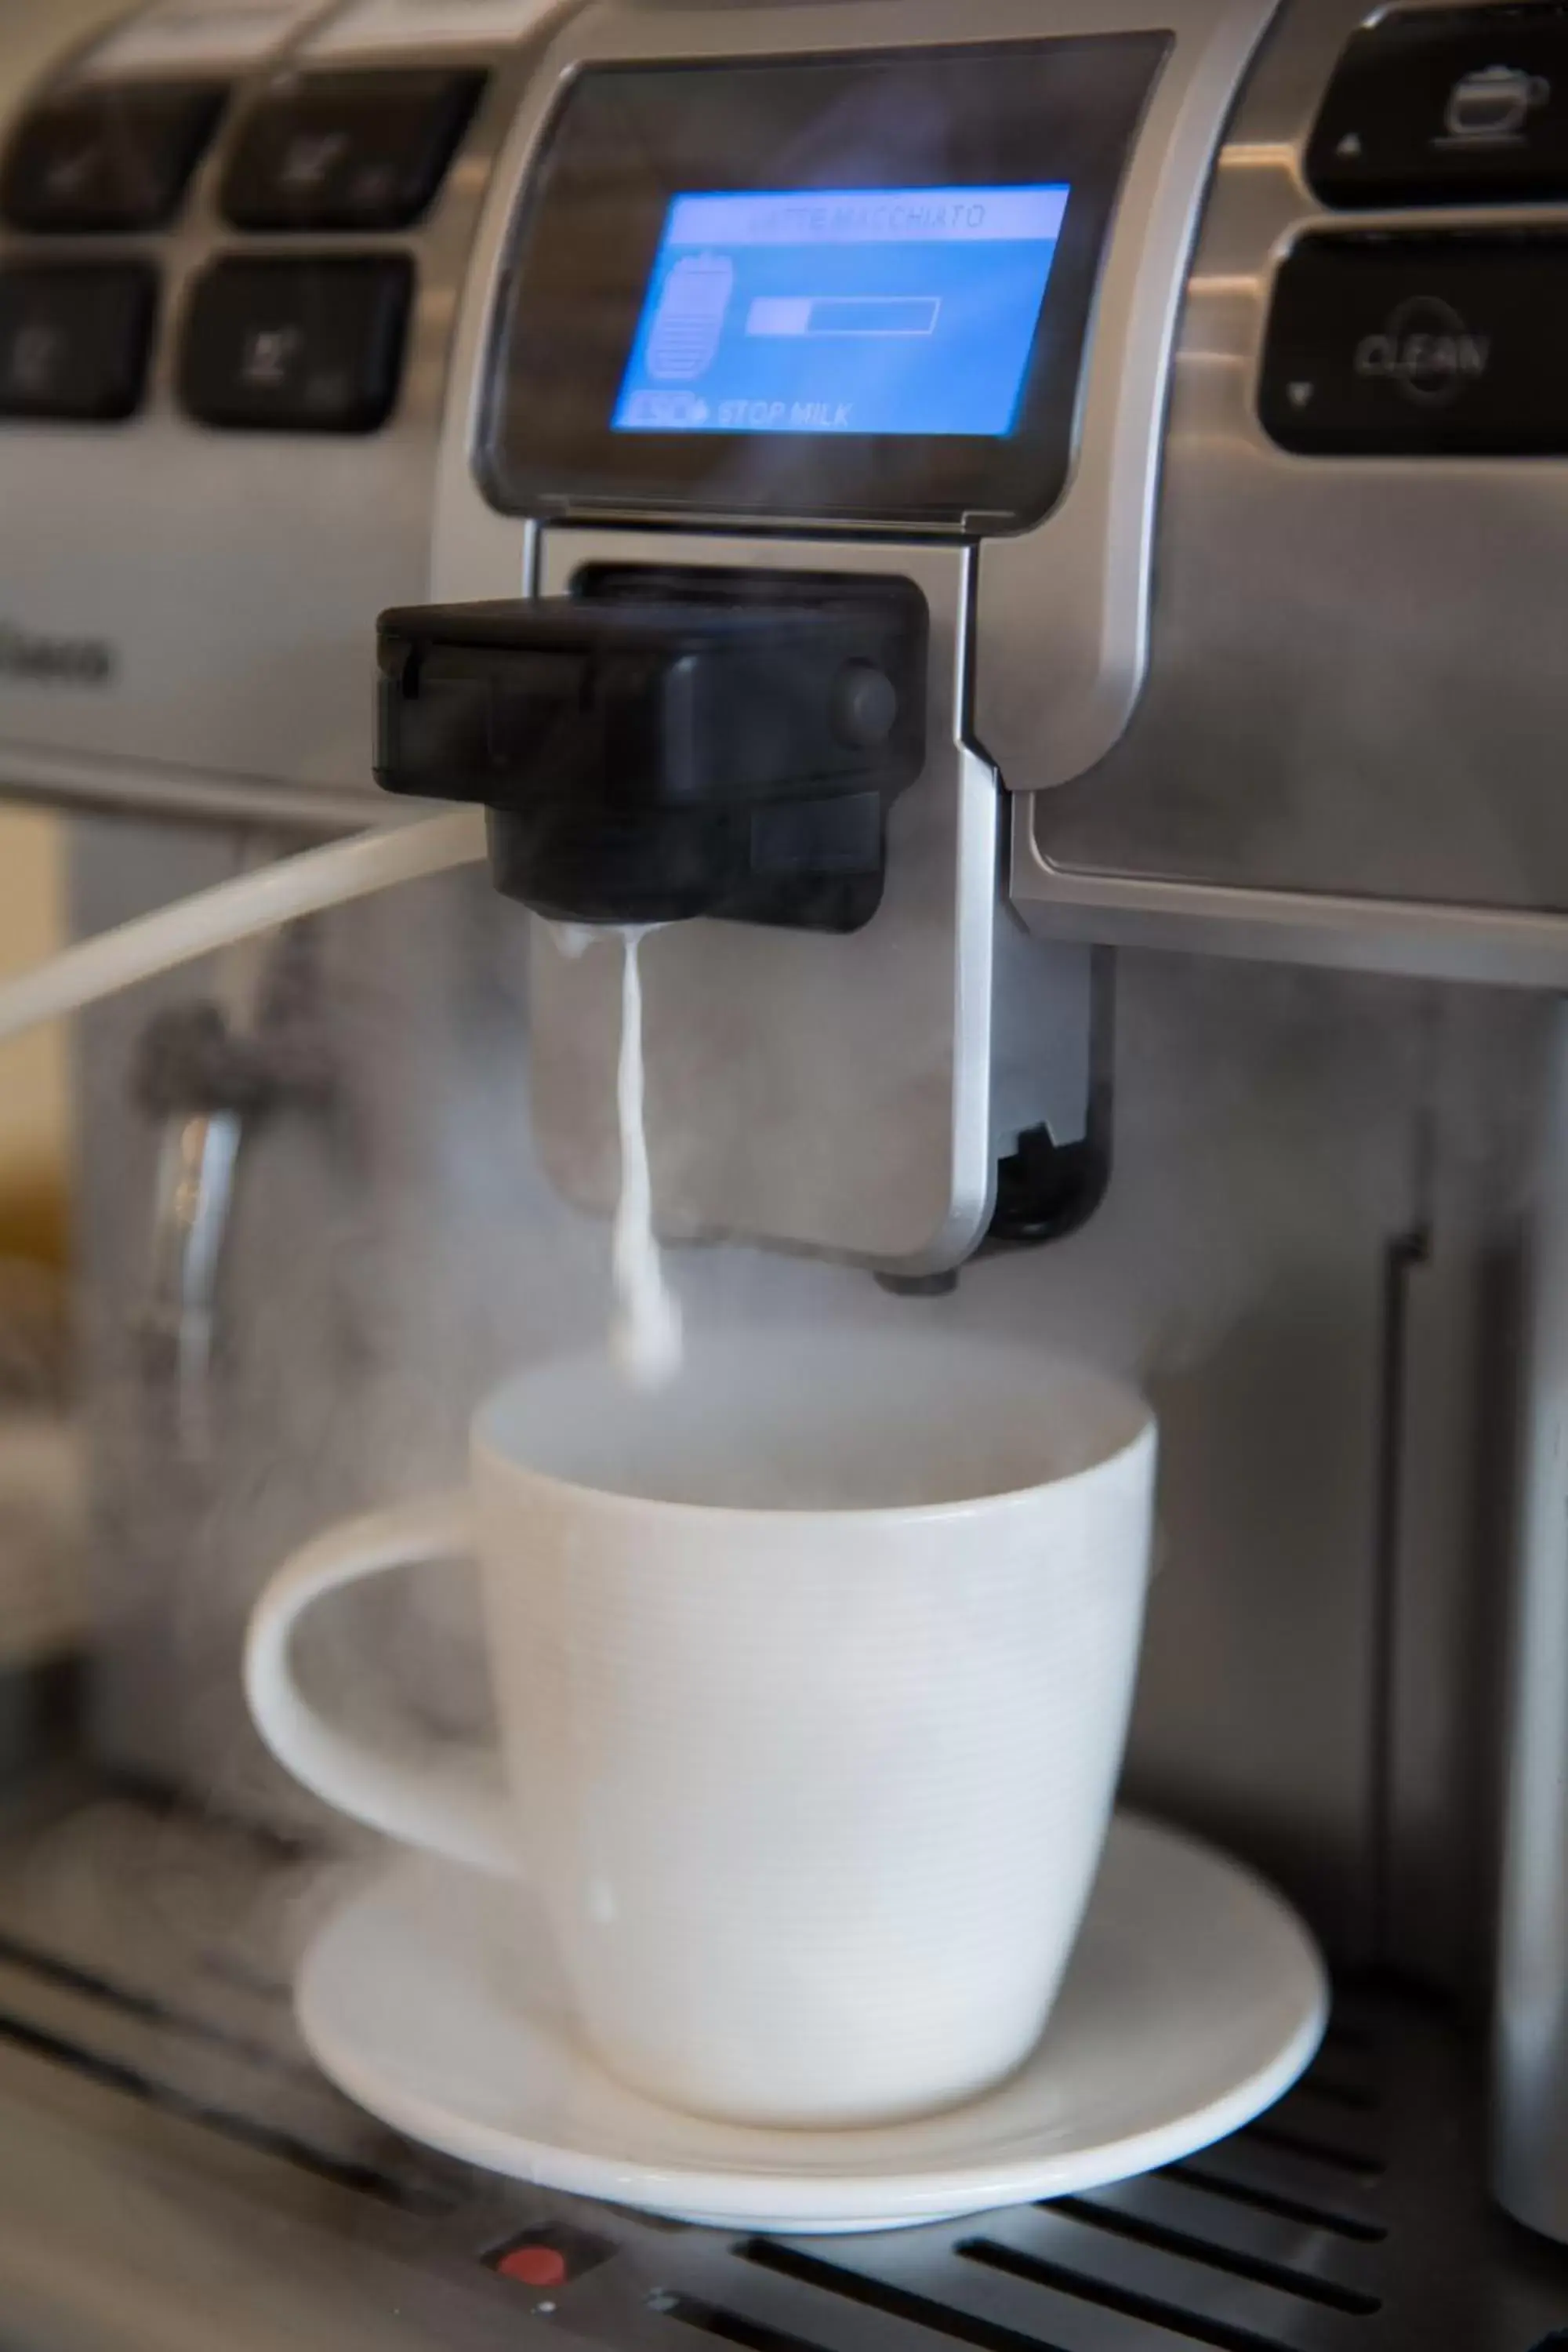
(452,1803)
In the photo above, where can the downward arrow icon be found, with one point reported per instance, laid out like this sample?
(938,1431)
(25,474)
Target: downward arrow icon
(1350,145)
(1298,395)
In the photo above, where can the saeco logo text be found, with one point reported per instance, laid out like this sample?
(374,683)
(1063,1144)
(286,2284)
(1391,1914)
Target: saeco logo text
(37,660)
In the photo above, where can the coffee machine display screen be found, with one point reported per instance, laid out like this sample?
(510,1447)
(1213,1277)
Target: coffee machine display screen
(842,310)
(855,287)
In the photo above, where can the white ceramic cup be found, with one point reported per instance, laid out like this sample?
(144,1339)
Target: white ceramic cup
(813,1673)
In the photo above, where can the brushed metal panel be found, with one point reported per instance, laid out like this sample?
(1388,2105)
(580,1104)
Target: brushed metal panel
(1452,1470)
(1347,745)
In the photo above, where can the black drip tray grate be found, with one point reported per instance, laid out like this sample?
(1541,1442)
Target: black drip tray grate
(1353,2218)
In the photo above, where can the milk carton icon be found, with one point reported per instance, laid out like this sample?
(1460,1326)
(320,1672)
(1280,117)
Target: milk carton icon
(690,319)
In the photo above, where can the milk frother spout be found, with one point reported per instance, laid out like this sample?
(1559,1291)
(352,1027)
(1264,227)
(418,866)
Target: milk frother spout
(660,745)
(843,1058)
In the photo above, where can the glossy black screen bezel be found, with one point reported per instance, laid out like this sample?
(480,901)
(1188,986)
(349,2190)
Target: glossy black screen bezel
(625,139)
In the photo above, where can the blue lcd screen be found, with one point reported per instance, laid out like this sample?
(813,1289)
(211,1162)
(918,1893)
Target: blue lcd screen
(907,310)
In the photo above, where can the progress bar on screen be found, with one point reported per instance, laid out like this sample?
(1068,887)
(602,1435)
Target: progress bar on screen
(842,314)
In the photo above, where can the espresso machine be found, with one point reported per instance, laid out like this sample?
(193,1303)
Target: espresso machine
(1099,777)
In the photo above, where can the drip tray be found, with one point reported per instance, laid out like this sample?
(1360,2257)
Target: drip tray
(173,2174)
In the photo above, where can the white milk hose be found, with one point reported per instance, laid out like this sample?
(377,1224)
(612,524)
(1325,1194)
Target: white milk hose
(261,900)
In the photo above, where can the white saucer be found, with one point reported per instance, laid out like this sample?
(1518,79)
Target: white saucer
(1194,2000)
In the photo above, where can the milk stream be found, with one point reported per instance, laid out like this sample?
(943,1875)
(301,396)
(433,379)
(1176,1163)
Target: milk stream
(645,1332)
(644,1329)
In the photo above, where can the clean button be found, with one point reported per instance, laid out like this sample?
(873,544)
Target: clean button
(1420,346)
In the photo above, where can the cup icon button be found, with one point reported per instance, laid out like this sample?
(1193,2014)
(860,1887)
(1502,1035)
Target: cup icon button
(1492,104)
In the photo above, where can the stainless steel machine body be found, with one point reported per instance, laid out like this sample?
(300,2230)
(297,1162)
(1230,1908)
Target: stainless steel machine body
(1278,729)
(122,602)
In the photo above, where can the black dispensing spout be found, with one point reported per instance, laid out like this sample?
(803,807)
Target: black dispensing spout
(664,744)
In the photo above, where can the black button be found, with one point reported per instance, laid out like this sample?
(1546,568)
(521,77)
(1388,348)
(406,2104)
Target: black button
(1420,345)
(347,151)
(74,340)
(1448,106)
(115,156)
(296,346)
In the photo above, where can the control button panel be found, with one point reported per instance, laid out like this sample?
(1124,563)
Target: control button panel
(296,346)
(347,151)
(1448,106)
(1420,346)
(74,339)
(107,156)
